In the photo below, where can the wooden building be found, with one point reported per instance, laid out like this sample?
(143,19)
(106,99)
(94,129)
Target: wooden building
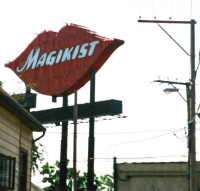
(16,128)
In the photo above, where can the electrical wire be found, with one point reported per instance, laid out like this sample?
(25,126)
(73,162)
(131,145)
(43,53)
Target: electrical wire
(124,158)
(171,11)
(197,67)
(137,9)
(97,119)
(162,54)
(159,42)
(151,157)
(153,9)
(113,133)
(173,55)
(147,138)
(70,135)
(149,52)
(191,10)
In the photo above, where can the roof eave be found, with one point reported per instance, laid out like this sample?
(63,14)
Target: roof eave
(12,106)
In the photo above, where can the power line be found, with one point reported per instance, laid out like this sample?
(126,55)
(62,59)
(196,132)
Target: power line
(162,54)
(108,159)
(149,51)
(153,9)
(171,11)
(137,9)
(130,132)
(154,137)
(97,119)
(173,55)
(191,10)
(145,139)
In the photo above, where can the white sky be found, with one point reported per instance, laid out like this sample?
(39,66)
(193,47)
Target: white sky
(156,123)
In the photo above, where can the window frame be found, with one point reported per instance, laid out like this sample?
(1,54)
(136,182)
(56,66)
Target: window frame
(10,171)
(23,172)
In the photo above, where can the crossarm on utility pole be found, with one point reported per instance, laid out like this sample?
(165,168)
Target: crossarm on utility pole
(179,83)
(170,22)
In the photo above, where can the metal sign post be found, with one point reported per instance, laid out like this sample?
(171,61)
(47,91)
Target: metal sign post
(75,140)
(91,140)
(63,150)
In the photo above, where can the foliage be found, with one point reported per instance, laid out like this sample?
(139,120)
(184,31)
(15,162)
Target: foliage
(30,86)
(51,176)
(107,181)
(37,156)
(22,97)
(18,97)
(1,83)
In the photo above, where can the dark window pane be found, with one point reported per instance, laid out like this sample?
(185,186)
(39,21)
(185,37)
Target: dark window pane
(7,172)
(23,169)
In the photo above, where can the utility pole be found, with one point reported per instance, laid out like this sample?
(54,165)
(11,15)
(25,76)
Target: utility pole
(192,123)
(191,96)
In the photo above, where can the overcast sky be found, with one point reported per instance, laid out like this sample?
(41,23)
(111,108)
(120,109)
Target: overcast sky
(156,125)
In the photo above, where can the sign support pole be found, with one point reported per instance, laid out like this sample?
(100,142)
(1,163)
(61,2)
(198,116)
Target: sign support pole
(63,150)
(75,140)
(91,141)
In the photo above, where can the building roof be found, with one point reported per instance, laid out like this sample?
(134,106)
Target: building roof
(11,105)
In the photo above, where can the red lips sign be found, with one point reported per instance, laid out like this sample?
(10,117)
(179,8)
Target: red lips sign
(58,63)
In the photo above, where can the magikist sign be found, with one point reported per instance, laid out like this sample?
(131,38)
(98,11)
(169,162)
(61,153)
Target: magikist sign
(58,63)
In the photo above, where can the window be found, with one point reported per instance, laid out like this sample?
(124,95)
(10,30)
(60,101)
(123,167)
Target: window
(7,172)
(23,169)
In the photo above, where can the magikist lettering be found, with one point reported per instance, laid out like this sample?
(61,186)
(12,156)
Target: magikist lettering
(70,53)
